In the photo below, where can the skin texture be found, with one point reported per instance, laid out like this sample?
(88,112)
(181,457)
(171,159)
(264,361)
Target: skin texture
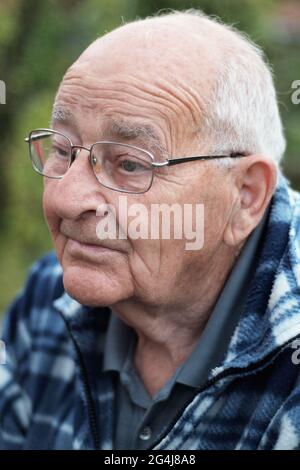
(163,291)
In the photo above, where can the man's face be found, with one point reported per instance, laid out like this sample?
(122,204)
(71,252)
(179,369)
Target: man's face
(99,98)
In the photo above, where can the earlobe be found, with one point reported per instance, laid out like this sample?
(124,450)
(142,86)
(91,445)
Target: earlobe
(255,184)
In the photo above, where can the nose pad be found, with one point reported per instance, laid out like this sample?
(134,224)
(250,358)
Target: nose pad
(96,164)
(94,161)
(74,155)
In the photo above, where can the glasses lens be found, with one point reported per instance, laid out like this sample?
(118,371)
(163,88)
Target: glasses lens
(122,167)
(50,153)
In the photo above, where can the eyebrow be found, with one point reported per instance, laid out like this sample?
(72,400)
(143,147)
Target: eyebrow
(62,115)
(117,128)
(131,131)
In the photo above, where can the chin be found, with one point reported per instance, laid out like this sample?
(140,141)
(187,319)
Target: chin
(94,289)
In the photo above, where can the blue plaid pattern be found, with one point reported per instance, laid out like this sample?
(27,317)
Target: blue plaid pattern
(54,395)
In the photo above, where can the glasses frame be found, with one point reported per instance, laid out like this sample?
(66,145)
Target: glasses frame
(168,162)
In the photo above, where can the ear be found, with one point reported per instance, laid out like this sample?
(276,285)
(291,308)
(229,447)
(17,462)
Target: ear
(254,182)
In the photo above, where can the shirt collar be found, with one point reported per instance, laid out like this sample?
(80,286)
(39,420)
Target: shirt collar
(117,343)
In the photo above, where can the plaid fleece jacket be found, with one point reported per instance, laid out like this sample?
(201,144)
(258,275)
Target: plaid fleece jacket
(54,395)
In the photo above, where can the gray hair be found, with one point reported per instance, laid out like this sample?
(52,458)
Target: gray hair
(241,113)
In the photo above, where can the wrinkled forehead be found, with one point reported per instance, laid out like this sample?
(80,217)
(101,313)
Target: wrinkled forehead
(142,80)
(157,113)
(137,131)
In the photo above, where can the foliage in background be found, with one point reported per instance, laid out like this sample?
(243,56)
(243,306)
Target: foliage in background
(38,41)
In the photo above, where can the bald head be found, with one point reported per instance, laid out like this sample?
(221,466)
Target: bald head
(177,47)
(176,43)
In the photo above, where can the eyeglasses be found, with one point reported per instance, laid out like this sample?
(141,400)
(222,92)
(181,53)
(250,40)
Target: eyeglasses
(117,166)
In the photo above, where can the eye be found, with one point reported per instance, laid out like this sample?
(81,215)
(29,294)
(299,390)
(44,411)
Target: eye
(57,150)
(131,166)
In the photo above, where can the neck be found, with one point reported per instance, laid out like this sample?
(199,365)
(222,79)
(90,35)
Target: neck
(167,334)
(160,353)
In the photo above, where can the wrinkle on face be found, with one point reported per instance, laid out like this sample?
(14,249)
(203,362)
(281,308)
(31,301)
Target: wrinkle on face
(162,104)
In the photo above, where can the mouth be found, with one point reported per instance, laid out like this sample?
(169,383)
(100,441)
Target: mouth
(88,251)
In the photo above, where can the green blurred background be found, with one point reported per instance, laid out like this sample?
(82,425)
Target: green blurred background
(40,39)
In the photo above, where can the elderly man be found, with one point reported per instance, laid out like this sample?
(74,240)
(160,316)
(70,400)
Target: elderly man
(138,343)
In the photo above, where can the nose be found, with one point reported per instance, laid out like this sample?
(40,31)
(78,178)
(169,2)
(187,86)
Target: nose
(78,191)
(76,149)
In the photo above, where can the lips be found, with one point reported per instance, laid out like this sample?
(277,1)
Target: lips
(91,245)
(82,241)
(87,251)
(84,233)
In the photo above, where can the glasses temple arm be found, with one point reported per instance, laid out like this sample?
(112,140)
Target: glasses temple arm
(176,161)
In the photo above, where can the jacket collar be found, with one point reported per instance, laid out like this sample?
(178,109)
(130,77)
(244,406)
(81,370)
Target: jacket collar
(271,318)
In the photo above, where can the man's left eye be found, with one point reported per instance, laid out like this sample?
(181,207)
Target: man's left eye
(131,166)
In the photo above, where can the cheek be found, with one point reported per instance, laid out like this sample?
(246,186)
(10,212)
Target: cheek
(147,253)
(53,222)
(217,210)
(96,285)
(51,217)
(155,263)
(214,222)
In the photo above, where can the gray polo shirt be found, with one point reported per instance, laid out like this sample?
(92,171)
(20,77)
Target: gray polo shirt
(142,419)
